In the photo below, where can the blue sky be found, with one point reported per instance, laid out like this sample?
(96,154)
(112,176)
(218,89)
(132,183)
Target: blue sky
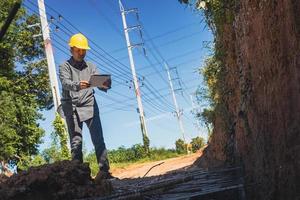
(178,36)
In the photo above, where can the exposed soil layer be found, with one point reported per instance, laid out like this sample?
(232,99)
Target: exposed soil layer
(262,64)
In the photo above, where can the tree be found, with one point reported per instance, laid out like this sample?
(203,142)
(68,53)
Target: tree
(24,87)
(180,146)
(59,149)
(197,143)
(61,132)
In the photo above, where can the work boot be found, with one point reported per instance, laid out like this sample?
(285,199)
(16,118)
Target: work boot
(103,175)
(104,183)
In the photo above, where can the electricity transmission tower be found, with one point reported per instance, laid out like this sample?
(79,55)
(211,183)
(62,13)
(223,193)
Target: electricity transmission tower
(177,111)
(135,79)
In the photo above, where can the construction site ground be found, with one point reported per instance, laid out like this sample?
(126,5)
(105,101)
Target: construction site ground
(175,178)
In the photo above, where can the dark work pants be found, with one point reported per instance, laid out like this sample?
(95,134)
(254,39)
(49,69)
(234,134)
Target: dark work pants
(95,128)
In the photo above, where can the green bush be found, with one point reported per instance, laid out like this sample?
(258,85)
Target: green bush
(92,160)
(180,146)
(197,143)
(124,156)
(117,157)
(121,155)
(162,153)
(139,151)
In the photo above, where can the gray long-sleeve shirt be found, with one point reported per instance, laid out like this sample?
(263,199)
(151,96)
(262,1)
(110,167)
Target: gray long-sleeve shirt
(83,101)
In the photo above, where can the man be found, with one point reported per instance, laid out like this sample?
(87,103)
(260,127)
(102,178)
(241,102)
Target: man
(79,104)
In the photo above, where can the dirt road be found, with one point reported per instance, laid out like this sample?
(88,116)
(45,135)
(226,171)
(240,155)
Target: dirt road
(139,170)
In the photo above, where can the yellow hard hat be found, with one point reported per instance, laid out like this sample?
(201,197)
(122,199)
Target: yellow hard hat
(80,41)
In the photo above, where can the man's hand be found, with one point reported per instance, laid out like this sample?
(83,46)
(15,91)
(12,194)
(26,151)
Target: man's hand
(84,84)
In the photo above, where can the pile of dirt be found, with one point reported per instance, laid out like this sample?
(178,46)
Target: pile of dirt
(3,178)
(61,180)
(262,80)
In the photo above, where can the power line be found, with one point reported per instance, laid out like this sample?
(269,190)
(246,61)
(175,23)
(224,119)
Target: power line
(163,44)
(158,73)
(63,51)
(151,91)
(98,45)
(157,36)
(176,65)
(116,72)
(92,42)
(164,60)
(150,99)
(171,58)
(87,55)
(107,19)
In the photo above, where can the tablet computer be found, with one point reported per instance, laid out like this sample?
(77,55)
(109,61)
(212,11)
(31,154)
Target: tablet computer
(97,80)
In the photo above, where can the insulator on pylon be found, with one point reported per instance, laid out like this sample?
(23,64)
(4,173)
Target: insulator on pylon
(52,19)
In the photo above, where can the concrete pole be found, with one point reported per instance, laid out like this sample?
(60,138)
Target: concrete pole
(135,80)
(49,54)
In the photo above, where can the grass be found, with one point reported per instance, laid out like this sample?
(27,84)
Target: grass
(153,157)
(123,157)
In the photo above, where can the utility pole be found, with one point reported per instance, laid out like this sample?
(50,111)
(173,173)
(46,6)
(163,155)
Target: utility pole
(178,112)
(135,79)
(49,54)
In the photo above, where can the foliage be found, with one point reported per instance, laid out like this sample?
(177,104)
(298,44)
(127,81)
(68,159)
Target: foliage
(118,157)
(92,160)
(215,92)
(61,132)
(212,92)
(30,161)
(216,12)
(125,156)
(180,146)
(211,72)
(219,16)
(197,143)
(59,149)
(47,156)
(162,153)
(24,87)
(146,143)
(52,154)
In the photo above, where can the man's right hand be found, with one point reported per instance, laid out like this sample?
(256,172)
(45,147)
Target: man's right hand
(84,84)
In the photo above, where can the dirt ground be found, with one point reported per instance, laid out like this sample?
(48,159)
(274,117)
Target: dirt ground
(139,170)
(60,180)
